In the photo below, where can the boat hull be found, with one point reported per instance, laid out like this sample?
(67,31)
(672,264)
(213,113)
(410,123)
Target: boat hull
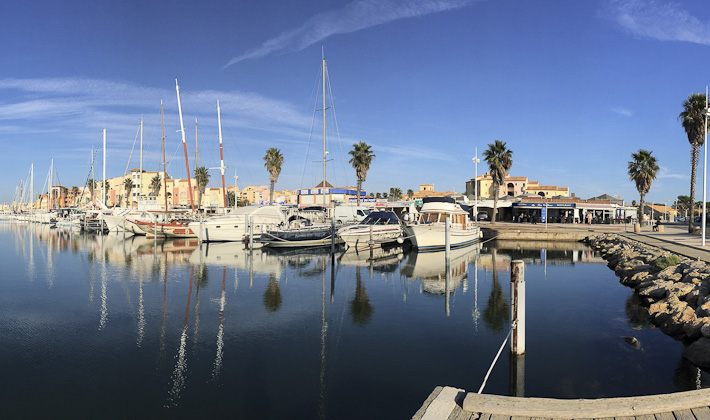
(433,236)
(359,236)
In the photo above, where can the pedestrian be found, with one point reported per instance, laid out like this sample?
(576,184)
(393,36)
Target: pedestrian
(406,217)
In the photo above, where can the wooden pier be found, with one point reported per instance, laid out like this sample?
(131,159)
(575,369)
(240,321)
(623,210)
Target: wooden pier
(447,403)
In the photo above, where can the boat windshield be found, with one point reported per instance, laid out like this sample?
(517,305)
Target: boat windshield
(381,218)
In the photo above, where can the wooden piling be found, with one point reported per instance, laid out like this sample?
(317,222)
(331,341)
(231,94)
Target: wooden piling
(517,306)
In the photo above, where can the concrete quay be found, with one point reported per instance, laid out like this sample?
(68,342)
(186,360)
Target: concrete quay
(674,238)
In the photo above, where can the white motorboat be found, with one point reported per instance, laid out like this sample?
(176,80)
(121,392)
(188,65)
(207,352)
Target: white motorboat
(429,233)
(378,227)
(430,268)
(233,227)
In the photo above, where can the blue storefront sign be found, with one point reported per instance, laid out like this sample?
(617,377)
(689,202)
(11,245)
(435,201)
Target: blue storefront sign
(543,219)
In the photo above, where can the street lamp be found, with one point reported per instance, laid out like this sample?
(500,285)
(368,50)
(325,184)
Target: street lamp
(705,167)
(476,161)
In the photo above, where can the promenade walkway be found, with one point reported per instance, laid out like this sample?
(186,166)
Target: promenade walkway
(457,404)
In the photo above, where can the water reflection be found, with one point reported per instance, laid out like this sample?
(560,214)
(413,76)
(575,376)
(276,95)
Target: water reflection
(272,295)
(284,339)
(497,312)
(360,307)
(178,377)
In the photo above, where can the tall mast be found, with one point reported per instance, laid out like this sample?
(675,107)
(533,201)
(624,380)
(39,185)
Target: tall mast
(103,185)
(32,184)
(93,177)
(141,163)
(165,176)
(51,170)
(324,151)
(184,145)
(221,158)
(197,152)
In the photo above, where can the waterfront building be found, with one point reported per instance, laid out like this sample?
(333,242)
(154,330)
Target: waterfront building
(512,186)
(314,196)
(427,190)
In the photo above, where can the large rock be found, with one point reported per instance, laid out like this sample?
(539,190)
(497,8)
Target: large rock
(699,352)
(694,328)
(670,314)
(657,290)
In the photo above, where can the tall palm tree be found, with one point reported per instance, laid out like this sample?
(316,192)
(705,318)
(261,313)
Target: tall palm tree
(362,157)
(202,177)
(396,192)
(92,187)
(410,193)
(642,170)
(128,186)
(272,162)
(499,159)
(155,184)
(693,122)
(75,193)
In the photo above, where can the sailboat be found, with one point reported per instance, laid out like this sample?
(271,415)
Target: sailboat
(174,228)
(322,234)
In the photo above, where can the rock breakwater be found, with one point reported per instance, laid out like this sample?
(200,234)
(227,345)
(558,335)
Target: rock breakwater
(676,289)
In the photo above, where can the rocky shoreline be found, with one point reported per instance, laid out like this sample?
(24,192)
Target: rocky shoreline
(676,289)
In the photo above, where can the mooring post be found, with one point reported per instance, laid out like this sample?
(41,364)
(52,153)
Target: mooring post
(517,306)
(251,232)
(332,239)
(202,232)
(447,243)
(372,244)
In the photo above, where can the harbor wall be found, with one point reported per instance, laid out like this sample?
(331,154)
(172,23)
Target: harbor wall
(534,235)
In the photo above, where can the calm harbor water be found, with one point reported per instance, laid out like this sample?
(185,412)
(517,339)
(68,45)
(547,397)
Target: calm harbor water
(102,327)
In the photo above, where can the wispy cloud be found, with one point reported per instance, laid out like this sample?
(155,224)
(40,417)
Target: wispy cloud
(622,111)
(664,173)
(664,21)
(353,17)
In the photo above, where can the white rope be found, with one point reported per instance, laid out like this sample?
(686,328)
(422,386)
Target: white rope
(496,359)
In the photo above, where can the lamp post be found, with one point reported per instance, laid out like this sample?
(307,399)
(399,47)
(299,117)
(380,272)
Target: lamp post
(705,167)
(476,161)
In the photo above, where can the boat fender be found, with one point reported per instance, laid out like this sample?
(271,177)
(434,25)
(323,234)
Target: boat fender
(400,240)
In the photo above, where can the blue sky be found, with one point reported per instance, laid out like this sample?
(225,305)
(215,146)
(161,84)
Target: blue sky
(572,87)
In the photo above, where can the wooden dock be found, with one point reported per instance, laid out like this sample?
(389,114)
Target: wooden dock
(447,403)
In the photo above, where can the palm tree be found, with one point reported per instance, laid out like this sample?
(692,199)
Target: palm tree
(396,193)
(202,177)
(642,170)
(75,193)
(155,184)
(410,193)
(361,159)
(273,161)
(128,185)
(92,187)
(693,122)
(499,159)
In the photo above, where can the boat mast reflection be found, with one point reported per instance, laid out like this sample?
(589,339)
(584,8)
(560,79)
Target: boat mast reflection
(181,365)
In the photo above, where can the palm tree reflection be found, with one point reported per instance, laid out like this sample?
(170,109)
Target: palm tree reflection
(635,312)
(497,312)
(272,295)
(360,307)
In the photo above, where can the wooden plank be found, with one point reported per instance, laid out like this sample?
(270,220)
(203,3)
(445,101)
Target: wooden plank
(586,408)
(499,417)
(520,418)
(444,403)
(455,413)
(701,413)
(646,417)
(684,415)
(665,416)
(418,415)
(625,418)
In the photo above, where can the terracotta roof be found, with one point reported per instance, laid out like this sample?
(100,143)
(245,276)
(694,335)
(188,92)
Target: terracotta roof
(327,185)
